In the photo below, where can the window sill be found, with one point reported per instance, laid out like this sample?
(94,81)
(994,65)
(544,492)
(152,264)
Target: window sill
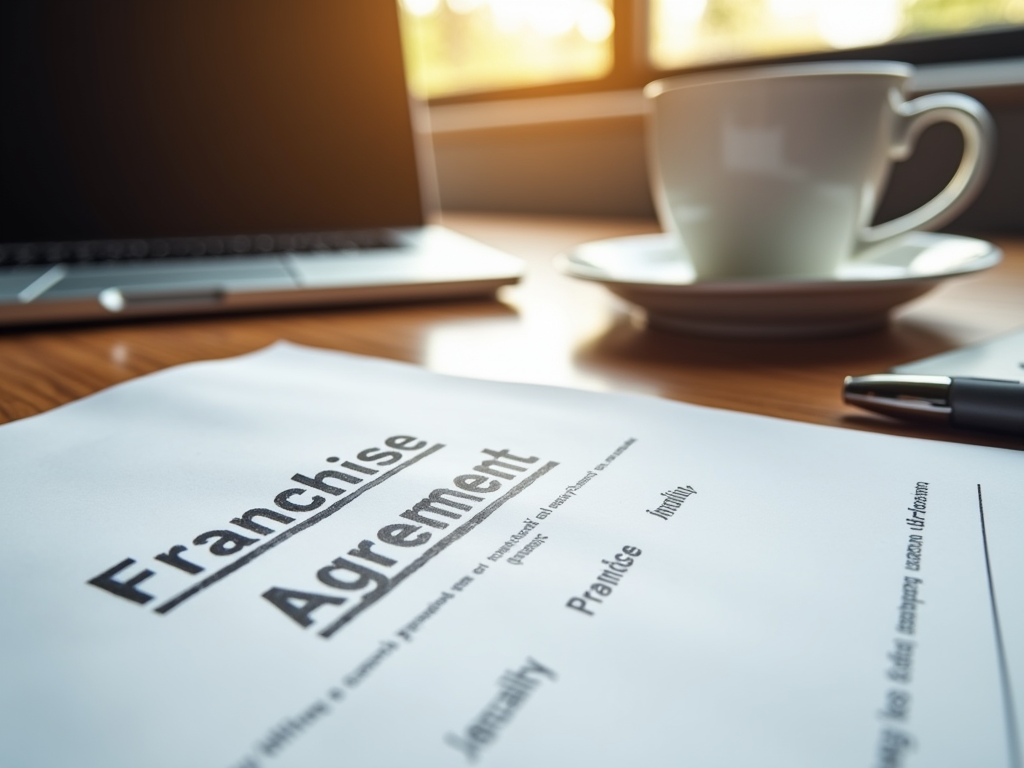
(584,154)
(987,77)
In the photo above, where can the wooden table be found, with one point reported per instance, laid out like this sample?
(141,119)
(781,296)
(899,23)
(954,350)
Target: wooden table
(551,330)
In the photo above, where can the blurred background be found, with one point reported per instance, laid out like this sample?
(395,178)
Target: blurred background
(460,46)
(535,106)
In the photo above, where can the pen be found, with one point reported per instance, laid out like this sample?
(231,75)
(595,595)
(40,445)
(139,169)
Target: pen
(989,404)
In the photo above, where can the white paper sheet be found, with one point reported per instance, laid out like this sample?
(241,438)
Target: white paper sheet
(618,579)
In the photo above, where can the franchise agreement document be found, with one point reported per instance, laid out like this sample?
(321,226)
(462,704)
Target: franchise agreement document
(303,558)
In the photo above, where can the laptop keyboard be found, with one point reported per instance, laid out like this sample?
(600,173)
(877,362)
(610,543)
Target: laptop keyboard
(24,254)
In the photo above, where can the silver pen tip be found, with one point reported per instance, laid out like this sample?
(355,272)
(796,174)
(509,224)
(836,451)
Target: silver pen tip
(923,398)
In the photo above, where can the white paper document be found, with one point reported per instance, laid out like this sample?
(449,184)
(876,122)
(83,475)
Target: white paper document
(304,558)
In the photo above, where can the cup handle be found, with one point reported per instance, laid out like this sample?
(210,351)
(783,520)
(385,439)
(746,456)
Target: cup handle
(912,117)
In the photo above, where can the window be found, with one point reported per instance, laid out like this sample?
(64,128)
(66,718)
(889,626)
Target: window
(471,50)
(459,46)
(688,32)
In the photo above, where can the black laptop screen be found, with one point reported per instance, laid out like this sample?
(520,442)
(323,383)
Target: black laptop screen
(165,118)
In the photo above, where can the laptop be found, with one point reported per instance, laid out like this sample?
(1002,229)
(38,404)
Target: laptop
(180,156)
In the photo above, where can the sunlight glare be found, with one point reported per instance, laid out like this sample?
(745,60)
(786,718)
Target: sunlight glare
(791,8)
(552,18)
(596,23)
(420,7)
(509,16)
(685,11)
(851,23)
(463,6)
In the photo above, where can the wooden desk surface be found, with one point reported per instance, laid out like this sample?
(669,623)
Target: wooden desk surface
(550,330)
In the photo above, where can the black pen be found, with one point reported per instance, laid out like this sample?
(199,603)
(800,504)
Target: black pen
(989,404)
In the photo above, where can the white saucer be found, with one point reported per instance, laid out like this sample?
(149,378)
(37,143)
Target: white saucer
(652,272)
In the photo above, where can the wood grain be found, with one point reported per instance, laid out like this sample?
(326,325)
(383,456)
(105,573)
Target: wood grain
(549,330)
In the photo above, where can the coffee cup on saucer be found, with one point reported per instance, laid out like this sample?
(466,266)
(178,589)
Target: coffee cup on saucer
(775,173)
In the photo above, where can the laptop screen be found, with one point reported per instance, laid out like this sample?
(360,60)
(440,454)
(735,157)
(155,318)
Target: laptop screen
(177,118)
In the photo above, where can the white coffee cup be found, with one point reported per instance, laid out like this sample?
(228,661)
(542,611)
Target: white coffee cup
(776,172)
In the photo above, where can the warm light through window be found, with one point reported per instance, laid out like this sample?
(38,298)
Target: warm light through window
(687,32)
(457,46)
